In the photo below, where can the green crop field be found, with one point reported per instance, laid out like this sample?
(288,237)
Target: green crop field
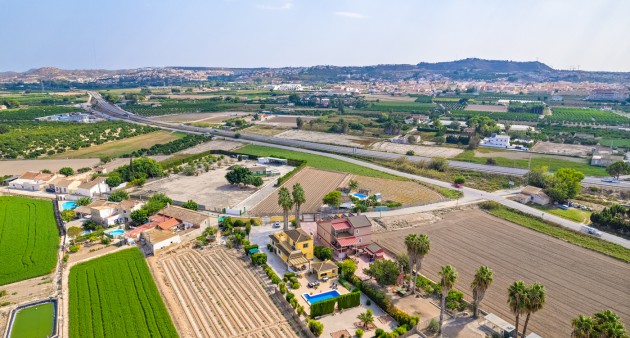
(115,296)
(184,106)
(315,161)
(34,322)
(465,114)
(579,115)
(27,114)
(28,238)
(400,107)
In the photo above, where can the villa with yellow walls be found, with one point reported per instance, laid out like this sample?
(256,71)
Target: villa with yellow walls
(294,247)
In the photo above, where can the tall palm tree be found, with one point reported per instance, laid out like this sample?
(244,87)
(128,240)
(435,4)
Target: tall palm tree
(517,293)
(482,280)
(418,246)
(582,327)
(286,203)
(366,318)
(449,277)
(353,185)
(299,198)
(534,302)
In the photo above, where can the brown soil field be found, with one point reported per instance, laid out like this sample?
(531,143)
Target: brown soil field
(487,107)
(329,138)
(577,280)
(199,117)
(215,144)
(265,130)
(418,150)
(562,149)
(218,295)
(389,98)
(316,184)
(285,120)
(405,192)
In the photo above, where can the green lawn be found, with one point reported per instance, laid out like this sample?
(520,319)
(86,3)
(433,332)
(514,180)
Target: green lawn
(574,237)
(616,142)
(28,238)
(34,322)
(553,163)
(315,161)
(572,214)
(115,296)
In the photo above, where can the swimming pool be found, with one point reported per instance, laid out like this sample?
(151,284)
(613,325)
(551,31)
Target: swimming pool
(312,299)
(116,233)
(68,205)
(359,196)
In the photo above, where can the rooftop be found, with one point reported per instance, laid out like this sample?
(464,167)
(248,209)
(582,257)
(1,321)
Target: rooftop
(183,214)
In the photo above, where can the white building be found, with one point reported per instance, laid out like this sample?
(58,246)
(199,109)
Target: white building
(33,181)
(607,95)
(110,213)
(496,141)
(64,186)
(156,239)
(92,188)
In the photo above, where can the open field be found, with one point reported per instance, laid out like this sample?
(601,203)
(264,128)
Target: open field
(115,296)
(265,130)
(121,147)
(573,214)
(289,121)
(520,155)
(18,167)
(388,98)
(316,184)
(28,238)
(427,151)
(405,192)
(315,161)
(580,115)
(328,138)
(215,144)
(578,281)
(562,149)
(200,117)
(215,192)
(487,107)
(216,294)
(34,322)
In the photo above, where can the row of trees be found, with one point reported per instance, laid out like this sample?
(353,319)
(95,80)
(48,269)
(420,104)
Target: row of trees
(564,184)
(287,200)
(615,217)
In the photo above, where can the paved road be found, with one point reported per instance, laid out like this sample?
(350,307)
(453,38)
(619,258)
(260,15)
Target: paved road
(115,112)
(470,195)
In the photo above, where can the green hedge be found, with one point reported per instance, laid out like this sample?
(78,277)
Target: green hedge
(349,300)
(259,258)
(290,174)
(323,308)
(385,303)
(246,248)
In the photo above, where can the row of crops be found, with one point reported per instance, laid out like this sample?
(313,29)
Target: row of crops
(182,106)
(28,238)
(465,114)
(41,99)
(588,116)
(115,296)
(33,139)
(30,113)
(400,107)
(450,106)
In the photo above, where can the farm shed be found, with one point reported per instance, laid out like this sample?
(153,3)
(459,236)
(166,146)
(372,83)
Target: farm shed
(374,251)
(273,160)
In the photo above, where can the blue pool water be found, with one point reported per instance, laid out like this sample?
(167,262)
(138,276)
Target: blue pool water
(116,233)
(312,299)
(359,196)
(68,205)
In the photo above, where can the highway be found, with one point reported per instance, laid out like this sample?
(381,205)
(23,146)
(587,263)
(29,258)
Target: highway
(118,113)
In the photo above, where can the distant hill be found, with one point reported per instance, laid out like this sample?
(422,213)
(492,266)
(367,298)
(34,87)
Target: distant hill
(496,66)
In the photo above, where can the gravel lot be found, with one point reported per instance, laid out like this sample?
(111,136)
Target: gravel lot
(419,150)
(487,107)
(212,145)
(329,138)
(578,281)
(562,149)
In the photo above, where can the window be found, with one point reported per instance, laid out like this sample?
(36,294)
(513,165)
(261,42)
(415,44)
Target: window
(305,245)
(356,231)
(360,240)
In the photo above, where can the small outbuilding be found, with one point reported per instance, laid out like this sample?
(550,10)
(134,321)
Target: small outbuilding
(533,194)
(326,268)
(374,251)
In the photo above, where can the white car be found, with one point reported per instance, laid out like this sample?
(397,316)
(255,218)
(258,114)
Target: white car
(276,224)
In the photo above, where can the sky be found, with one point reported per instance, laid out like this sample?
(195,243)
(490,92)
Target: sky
(117,34)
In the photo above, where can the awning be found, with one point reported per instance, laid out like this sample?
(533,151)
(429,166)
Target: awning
(499,322)
(347,241)
(341,226)
(300,260)
(252,251)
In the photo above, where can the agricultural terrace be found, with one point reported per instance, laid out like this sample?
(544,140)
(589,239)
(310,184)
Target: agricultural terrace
(215,294)
(115,296)
(573,276)
(587,116)
(315,161)
(30,113)
(316,184)
(165,107)
(124,146)
(28,238)
(33,139)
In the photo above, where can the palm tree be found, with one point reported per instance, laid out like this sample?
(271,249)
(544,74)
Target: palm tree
(417,247)
(482,280)
(534,301)
(366,318)
(517,292)
(299,198)
(286,203)
(582,327)
(353,185)
(449,277)
(607,324)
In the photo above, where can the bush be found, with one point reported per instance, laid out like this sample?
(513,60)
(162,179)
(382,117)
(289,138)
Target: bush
(491,161)
(455,301)
(289,296)
(401,330)
(459,180)
(283,288)
(323,252)
(410,153)
(295,285)
(105,241)
(358,333)
(379,332)
(293,302)
(439,164)
(434,326)
(259,258)
(316,327)
(275,279)
(74,248)
(300,310)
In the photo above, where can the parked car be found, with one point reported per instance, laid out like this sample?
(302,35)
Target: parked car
(592,231)
(276,225)
(564,207)
(610,180)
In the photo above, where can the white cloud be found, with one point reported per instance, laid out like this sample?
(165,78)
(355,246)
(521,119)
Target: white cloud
(352,15)
(284,6)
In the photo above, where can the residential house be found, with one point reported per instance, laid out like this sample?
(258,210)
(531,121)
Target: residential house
(604,158)
(93,188)
(260,171)
(496,141)
(109,213)
(63,185)
(533,194)
(294,247)
(165,222)
(33,181)
(345,235)
(326,268)
(189,218)
(156,239)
